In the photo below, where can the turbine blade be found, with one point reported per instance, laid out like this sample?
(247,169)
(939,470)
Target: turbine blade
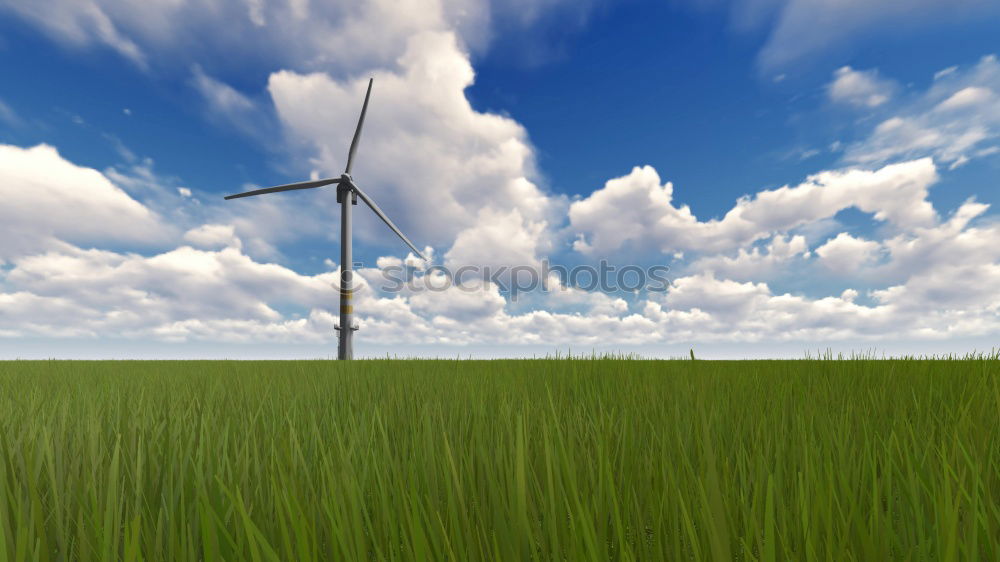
(357,132)
(287,187)
(385,219)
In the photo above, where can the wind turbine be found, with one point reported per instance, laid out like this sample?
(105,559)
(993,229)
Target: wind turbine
(348,193)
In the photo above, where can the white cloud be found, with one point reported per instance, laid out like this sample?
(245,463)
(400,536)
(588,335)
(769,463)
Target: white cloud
(48,199)
(965,294)
(956,119)
(592,303)
(966,97)
(703,308)
(51,202)
(384,262)
(127,294)
(949,246)
(467,303)
(754,264)
(863,88)
(497,239)
(624,211)
(190,294)
(213,236)
(637,210)
(944,72)
(846,254)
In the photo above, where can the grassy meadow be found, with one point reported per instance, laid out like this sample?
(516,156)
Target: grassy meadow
(576,460)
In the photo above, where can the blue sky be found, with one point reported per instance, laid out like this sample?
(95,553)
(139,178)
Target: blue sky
(161,111)
(661,84)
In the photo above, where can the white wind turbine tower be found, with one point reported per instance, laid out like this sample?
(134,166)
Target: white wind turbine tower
(348,193)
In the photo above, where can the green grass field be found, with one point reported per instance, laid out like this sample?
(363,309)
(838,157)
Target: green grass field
(505,460)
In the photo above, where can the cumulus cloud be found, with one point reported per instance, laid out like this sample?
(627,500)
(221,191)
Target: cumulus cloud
(704,308)
(497,239)
(863,88)
(213,236)
(846,254)
(48,200)
(114,294)
(638,210)
(559,297)
(949,246)
(966,295)
(189,294)
(469,303)
(211,290)
(756,263)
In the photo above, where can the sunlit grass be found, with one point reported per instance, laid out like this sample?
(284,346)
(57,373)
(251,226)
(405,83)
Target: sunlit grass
(603,459)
